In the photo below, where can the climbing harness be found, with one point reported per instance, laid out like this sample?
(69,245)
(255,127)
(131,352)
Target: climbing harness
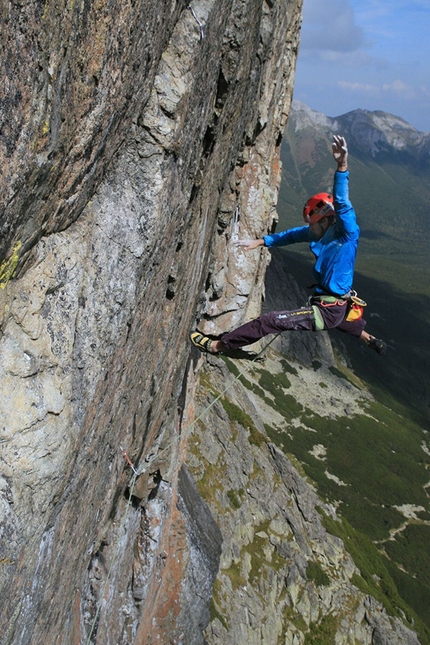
(323,301)
(355,306)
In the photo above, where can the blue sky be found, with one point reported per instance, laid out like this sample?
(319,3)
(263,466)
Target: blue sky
(369,54)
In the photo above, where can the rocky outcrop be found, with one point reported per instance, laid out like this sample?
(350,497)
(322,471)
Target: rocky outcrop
(137,140)
(283,578)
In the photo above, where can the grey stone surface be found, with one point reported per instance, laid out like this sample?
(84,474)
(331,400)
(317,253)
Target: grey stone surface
(270,519)
(205,550)
(128,143)
(134,153)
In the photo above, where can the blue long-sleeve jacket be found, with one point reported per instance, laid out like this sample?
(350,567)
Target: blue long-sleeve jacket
(336,251)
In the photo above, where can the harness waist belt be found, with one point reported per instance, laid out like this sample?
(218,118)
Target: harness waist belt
(329,299)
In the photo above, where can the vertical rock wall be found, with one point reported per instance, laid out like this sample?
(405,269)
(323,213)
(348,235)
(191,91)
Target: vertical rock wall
(137,140)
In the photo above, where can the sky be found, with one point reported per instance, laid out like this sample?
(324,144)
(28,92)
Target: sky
(369,54)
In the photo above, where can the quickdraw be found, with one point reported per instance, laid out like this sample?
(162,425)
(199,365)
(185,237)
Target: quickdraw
(358,301)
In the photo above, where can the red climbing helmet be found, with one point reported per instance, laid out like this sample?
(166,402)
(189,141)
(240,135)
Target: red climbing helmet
(317,207)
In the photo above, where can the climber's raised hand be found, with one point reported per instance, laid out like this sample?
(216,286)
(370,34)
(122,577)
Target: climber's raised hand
(340,152)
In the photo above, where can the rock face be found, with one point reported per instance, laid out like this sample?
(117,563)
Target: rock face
(283,578)
(137,140)
(76,76)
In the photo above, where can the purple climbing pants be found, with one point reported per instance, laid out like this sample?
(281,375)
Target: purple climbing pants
(295,320)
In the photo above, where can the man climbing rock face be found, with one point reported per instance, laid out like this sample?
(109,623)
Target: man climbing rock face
(332,233)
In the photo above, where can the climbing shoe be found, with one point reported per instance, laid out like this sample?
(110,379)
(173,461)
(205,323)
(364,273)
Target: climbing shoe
(377,345)
(201,342)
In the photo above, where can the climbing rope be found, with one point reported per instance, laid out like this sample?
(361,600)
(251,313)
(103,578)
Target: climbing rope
(241,373)
(136,473)
(202,33)
(186,429)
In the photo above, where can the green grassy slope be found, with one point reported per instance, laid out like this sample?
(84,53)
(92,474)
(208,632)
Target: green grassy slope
(374,468)
(382,467)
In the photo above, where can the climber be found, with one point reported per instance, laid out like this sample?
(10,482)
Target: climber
(332,233)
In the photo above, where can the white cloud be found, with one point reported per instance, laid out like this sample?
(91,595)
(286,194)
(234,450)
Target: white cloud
(371,54)
(400,88)
(329,25)
(359,88)
(397,88)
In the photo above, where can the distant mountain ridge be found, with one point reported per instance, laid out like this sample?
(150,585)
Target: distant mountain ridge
(390,190)
(375,133)
(389,162)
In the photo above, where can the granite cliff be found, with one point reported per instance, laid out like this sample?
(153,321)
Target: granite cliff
(137,140)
